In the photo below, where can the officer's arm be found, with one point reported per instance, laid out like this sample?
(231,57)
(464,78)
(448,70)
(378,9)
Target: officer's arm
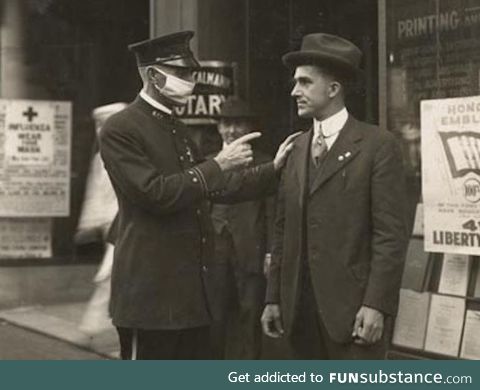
(133,174)
(248,184)
(259,181)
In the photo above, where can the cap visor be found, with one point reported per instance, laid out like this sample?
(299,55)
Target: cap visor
(185,62)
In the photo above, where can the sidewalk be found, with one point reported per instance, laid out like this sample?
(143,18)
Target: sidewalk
(61,321)
(17,343)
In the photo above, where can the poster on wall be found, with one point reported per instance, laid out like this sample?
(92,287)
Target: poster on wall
(25,238)
(35,140)
(214,82)
(451,174)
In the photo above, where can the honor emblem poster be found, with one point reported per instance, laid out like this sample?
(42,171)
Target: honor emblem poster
(450,130)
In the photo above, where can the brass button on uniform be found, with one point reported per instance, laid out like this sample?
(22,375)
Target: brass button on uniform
(204,240)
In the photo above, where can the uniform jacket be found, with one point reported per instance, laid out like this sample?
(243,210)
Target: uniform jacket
(354,217)
(163,233)
(250,225)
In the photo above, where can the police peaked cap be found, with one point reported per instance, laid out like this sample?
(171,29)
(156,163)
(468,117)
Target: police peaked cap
(170,50)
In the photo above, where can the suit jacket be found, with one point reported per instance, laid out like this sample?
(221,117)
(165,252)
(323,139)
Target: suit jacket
(354,218)
(250,225)
(163,233)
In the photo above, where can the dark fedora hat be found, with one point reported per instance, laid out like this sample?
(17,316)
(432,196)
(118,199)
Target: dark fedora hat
(235,108)
(169,50)
(326,49)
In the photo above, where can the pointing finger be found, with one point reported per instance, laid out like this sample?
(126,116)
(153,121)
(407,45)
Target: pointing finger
(246,138)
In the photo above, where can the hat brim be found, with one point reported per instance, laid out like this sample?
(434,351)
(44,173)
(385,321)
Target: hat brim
(297,58)
(184,62)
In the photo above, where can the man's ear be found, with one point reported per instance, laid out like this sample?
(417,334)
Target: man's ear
(155,77)
(335,88)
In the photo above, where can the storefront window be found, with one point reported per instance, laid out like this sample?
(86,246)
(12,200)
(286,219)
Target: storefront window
(433,52)
(433,64)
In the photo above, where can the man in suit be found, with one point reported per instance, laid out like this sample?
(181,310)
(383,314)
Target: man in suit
(163,233)
(241,242)
(340,234)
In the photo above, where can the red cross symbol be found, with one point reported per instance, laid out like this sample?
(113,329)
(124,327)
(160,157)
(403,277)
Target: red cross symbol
(30,113)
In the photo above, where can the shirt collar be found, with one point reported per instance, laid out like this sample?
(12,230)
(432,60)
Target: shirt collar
(332,124)
(159,106)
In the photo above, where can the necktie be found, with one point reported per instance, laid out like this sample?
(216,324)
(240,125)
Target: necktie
(319,148)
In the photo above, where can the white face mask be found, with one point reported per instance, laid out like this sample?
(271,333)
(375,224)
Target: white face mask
(175,88)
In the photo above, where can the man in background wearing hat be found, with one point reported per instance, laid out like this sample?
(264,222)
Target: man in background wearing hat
(241,242)
(340,235)
(163,233)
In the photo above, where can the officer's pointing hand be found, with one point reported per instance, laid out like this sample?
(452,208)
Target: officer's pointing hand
(246,138)
(237,154)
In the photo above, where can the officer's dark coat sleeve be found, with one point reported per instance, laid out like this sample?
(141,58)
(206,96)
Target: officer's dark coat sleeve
(134,175)
(248,184)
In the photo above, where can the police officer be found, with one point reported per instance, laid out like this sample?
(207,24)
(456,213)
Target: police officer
(163,233)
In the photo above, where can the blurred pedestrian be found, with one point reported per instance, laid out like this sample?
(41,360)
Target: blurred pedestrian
(98,211)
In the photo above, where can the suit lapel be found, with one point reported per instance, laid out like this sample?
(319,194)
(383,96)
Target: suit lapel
(301,160)
(344,150)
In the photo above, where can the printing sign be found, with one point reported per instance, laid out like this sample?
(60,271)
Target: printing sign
(451,174)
